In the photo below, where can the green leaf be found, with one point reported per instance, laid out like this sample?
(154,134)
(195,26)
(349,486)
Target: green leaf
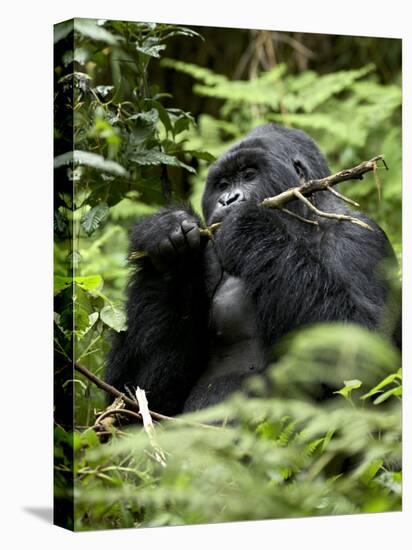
(91,282)
(181,125)
(156,158)
(391,481)
(151,51)
(385,382)
(163,115)
(199,73)
(94,218)
(348,388)
(93,317)
(89,28)
(89,159)
(104,90)
(146,118)
(201,155)
(371,470)
(113,317)
(61,283)
(397,392)
(61,30)
(81,319)
(330,84)
(60,222)
(184,31)
(80,55)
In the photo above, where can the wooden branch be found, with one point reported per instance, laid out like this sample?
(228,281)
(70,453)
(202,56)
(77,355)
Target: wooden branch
(323,184)
(306,189)
(134,405)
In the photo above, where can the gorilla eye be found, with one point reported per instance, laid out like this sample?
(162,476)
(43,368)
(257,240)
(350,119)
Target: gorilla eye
(222,183)
(249,174)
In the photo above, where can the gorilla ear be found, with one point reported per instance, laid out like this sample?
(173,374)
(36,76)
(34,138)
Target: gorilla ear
(301,169)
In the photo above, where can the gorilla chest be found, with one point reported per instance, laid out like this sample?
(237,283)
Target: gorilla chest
(235,351)
(234,344)
(232,313)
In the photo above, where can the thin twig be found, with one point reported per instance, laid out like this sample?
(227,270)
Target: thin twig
(301,218)
(306,189)
(330,215)
(111,390)
(110,412)
(343,198)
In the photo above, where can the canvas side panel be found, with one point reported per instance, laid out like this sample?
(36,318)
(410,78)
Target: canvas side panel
(64,313)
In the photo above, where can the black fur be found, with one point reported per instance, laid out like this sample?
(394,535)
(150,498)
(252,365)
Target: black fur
(291,273)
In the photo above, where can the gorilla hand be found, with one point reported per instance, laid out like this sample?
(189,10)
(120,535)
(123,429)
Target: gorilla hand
(169,237)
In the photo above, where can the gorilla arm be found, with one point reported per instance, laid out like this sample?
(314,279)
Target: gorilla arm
(166,312)
(299,274)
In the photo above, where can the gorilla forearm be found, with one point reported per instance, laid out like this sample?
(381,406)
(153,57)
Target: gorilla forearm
(166,318)
(159,351)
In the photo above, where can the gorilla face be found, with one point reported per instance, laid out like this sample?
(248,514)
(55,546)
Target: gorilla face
(235,179)
(264,164)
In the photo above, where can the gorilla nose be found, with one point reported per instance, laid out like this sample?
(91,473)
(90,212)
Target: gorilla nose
(229,198)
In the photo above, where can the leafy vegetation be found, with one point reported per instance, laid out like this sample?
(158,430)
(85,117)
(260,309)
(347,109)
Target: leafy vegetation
(279,453)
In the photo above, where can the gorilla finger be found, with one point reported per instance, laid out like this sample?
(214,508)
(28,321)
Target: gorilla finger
(166,249)
(188,225)
(178,240)
(193,237)
(162,255)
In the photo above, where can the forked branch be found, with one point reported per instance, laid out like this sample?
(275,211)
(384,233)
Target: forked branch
(306,190)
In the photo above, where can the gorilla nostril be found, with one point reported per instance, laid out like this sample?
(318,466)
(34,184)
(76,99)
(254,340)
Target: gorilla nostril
(229,198)
(232,198)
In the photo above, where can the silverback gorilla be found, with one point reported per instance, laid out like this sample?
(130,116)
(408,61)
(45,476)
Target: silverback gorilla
(202,317)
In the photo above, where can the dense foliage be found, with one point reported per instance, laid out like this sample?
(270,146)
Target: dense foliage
(278,454)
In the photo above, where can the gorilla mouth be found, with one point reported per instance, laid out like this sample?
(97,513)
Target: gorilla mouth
(220,214)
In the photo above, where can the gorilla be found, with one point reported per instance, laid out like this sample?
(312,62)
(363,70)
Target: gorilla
(203,315)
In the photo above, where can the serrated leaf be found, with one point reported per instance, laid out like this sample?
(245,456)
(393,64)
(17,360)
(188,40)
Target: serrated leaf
(156,158)
(92,282)
(201,155)
(151,51)
(113,317)
(89,159)
(146,118)
(61,283)
(94,218)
